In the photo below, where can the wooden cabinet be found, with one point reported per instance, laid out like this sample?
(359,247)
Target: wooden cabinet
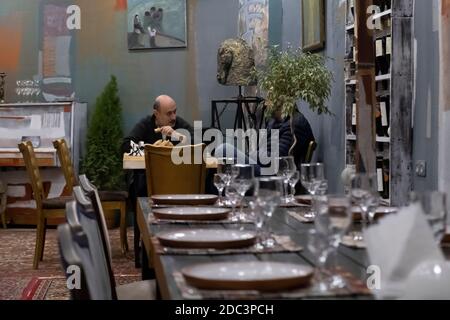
(40,123)
(391,23)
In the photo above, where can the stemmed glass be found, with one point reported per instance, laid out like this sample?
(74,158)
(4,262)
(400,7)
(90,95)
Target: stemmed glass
(268,192)
(364,193)
(312,177)
(243,182)
(317,244)
(293,180)
(286,168)
(333,218)
(227,170)
(233,197)
(219,183)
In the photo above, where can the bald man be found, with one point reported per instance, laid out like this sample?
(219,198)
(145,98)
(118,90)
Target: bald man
(162,124)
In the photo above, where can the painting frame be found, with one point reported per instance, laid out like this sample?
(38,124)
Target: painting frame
(144,32)
(313,27)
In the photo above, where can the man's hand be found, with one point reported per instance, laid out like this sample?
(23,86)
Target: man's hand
(167,130)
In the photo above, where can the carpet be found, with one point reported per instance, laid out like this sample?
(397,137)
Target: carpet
(19,281)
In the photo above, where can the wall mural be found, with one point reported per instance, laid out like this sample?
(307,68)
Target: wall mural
(156,24)
(55,54)
(253,27)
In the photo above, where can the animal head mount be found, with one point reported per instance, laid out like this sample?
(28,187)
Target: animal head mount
(235,62)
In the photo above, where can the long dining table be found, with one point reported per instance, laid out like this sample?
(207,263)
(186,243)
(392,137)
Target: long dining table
(350,261)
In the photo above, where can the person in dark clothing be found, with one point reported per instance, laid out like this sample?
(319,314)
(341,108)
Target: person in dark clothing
(164,118)
(303,134)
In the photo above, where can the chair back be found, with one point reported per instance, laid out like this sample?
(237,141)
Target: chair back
(31,164)
(310,153)
(73,246)
(66,164)
(99,276)
(92,193)
(166,177)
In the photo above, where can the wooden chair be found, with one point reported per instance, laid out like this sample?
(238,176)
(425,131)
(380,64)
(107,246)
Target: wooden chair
(45,208)
(89,251)
(310,153)
(166,177)
(3,190)
(111,200)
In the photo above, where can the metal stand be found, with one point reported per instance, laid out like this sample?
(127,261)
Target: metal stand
(254,119)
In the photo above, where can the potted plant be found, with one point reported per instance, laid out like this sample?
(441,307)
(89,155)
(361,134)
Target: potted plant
(290,76)
(103,161)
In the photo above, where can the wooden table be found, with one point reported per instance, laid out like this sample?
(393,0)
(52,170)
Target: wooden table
(138,163)
(353,261)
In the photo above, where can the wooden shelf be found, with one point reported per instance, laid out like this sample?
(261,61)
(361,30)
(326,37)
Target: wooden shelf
(352,137)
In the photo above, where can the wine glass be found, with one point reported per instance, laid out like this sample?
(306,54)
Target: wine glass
(268,192)
(219,183)
(318,245)
(293,180)
(364,193)
(243,182)
(312,177)
(333,218)
(286,168)
(233,198)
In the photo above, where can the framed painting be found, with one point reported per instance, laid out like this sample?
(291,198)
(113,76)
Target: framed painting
(156,24)
(313,25)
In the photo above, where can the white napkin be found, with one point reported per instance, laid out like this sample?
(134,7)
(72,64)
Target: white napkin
(397,245)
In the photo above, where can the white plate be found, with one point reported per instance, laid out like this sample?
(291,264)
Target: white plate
(191,213)
(207,238)
(185,199)
(255,275)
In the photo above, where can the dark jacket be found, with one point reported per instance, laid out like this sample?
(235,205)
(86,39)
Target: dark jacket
(145,131)
(303,133)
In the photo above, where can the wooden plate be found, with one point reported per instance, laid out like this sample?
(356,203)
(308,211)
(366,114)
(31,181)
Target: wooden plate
(304,199)
(255,275)
(207,239)
(185,199)
(191,213)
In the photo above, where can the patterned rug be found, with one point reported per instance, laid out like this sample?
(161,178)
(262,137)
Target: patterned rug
(19,281)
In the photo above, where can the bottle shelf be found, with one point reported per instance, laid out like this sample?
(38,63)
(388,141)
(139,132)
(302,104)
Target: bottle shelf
(352,137)
(384,77)
(383,14)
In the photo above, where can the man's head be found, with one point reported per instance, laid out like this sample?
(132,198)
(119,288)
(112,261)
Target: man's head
(165,111)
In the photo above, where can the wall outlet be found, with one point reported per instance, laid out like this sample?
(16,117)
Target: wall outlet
(421,168)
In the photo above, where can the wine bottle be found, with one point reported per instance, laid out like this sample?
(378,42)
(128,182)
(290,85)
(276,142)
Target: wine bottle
(388,53)
(380,177)
(354,118)
(385,112)
(378,121)
(380,57)
(386,178)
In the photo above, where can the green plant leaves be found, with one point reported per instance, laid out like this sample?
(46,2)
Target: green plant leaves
(103,161)
(292,75)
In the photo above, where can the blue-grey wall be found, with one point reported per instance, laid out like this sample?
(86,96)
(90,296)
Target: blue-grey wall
(427,92)
(329,130)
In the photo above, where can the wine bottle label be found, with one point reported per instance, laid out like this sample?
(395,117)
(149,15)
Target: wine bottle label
(388,45)
(380,179)
(384,119)
(379,48)
(354,115)
(354,53)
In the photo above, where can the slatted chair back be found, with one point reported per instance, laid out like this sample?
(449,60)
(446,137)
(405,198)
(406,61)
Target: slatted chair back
(65,160)
(99,276)
(166,177)
(32,167)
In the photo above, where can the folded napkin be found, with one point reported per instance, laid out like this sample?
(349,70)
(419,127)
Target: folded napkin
(397,245)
